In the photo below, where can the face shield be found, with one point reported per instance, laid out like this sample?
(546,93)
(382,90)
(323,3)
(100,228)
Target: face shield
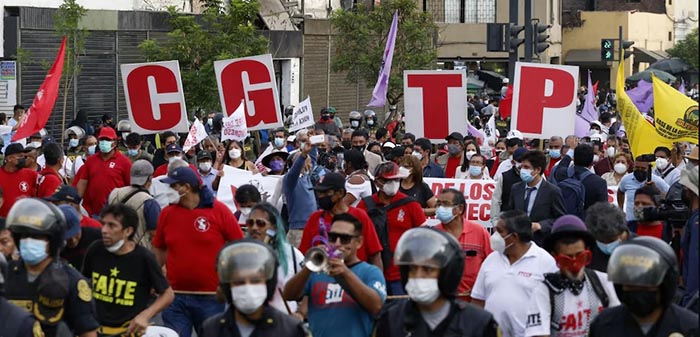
(245,259)
(636,265)
(424,247)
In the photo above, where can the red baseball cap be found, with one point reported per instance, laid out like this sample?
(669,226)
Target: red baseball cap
(108,133)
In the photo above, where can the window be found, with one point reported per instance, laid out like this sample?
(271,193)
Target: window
(470,11)
(670,36)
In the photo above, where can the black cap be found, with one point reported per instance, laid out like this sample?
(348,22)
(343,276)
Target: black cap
(456,136)
(204,154)
(398,151)
(330,181)
(66,193)
(15,148)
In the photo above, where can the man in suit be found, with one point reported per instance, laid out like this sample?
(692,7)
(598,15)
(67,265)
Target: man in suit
(541,200)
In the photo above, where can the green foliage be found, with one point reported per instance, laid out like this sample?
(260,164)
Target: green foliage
(361,39)
(196,42)
(687,50)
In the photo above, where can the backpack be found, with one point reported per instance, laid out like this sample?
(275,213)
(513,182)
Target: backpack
(573,192)
(378,217)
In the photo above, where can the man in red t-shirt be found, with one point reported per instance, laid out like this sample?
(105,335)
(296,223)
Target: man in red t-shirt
(399,219)
(103,172)
(50,179)
(330,193)
(454,156)
(68,195)
(188,238)
(16,181)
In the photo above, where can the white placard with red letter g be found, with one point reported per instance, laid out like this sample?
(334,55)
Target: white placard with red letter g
(436,103)
(154,97)
(544,100)
(251,79)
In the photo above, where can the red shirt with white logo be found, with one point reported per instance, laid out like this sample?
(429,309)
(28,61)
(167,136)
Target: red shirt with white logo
(17,185)
(192,239)
(399,220)
(370,241)
(103,176)
(49,182)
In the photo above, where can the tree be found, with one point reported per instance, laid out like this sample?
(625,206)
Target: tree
(220,33)
(67,23)
(687,49)
(362,34)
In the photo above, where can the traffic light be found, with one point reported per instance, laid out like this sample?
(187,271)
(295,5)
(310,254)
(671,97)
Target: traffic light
(624,44)
(513,40)
(540,41)
(607,49)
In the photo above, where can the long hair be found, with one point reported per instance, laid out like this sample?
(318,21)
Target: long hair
(279,244)
(465,161)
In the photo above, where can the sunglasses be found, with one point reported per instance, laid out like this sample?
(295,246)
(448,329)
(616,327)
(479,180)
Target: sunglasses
(581,260)
(344,238)
(256,222)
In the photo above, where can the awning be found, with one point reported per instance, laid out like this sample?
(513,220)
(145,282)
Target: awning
(584,57)
(642,55)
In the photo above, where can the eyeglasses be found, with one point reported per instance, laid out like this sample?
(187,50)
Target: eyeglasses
(344,238)
(256,222)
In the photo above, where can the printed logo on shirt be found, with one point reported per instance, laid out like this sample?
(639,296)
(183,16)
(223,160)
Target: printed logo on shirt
(524,274)
(334,293)
(111,289)
(325,294)
(23,186)
(379,287)
(401,216)
(112,164)
(576,323)
(201,224)
(534,320)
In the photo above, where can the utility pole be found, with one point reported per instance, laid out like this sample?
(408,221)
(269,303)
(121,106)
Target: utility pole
(528,30)
(513,55)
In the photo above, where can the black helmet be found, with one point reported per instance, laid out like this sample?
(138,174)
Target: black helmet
(246,254)
(429,247)
(32,216)
(645,261)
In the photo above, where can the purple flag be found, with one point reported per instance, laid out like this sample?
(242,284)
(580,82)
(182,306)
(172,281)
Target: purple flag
(682,87)
(589,112)
(642,96)
(380,89)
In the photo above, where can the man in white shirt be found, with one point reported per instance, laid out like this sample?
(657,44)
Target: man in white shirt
(509,275)
(514,140)
(18,115)
(568,300)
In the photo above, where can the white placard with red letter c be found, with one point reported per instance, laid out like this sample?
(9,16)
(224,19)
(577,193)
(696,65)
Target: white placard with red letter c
(544,99)
(436,103)
(251,79)
(154,97)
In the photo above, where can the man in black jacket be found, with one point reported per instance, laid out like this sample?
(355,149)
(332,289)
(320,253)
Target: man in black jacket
(595,186)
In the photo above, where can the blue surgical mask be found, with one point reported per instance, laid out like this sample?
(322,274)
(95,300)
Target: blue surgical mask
(132,152)
(607,248)
(73,142)
(33,251)
(555,153)
(444,214)
(279,142)
(475,171)
(526,175)
(105,146)
(91,149)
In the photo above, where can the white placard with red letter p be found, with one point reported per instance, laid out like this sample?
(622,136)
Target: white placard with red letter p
(436,103)
(544,99)
(154,97)
(251,79)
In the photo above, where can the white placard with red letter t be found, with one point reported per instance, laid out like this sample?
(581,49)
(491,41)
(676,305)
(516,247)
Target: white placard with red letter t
(251,79)
(544,100)
(436,103)
(154,97)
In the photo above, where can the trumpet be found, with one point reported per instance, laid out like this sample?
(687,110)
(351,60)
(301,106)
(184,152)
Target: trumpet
(316,258)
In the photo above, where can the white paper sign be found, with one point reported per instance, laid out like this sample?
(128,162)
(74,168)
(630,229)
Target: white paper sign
(196,135)
(302,117)
(234,178)
(235,127)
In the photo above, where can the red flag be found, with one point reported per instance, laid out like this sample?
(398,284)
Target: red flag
(595,88)
(506,103)
(40,111)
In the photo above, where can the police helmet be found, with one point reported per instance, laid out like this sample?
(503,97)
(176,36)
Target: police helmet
(244,256)
(370,113)
(124,126)
(32,216)
(645,261)
(424,246)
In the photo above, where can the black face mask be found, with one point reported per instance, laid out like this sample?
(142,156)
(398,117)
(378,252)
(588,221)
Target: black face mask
(359,148)
(325,202)
(21,163)
(640,302)
(346,144)
(640,175)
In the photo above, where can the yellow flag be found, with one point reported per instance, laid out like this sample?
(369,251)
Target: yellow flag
(640,133)
(675,114)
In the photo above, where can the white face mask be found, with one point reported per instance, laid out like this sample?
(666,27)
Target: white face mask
(423,290)
(35,145)
(174,158)
(115,247)
(417,155)
(234,153)
(498,243)
(610,152)
(661,163)
(595,158)
(248,298)
(620,168)
(391,187)
(205,167)
(470,154)
(246,210)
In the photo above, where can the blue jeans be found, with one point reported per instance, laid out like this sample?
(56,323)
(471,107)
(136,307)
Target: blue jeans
(188,311)
(395,288)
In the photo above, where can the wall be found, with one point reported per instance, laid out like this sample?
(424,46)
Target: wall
(650,6)
(685,14)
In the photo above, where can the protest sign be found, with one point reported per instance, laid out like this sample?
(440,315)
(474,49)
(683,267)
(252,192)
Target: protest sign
(302,117)
(197,134)
(544,99)
(235,126)
(251,79)
(234,178)
(478,194)
(435,103)
(612,195)
(155,100)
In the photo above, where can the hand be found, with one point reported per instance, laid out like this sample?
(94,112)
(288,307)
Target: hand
(307,148)
(138,325)
(337,267)
(299,316)
(220,173)
(536,226)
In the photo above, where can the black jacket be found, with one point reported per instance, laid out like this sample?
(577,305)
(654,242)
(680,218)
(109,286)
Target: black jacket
(547,207)
(617,321)
(464,320)
(596,187)
(272,324)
